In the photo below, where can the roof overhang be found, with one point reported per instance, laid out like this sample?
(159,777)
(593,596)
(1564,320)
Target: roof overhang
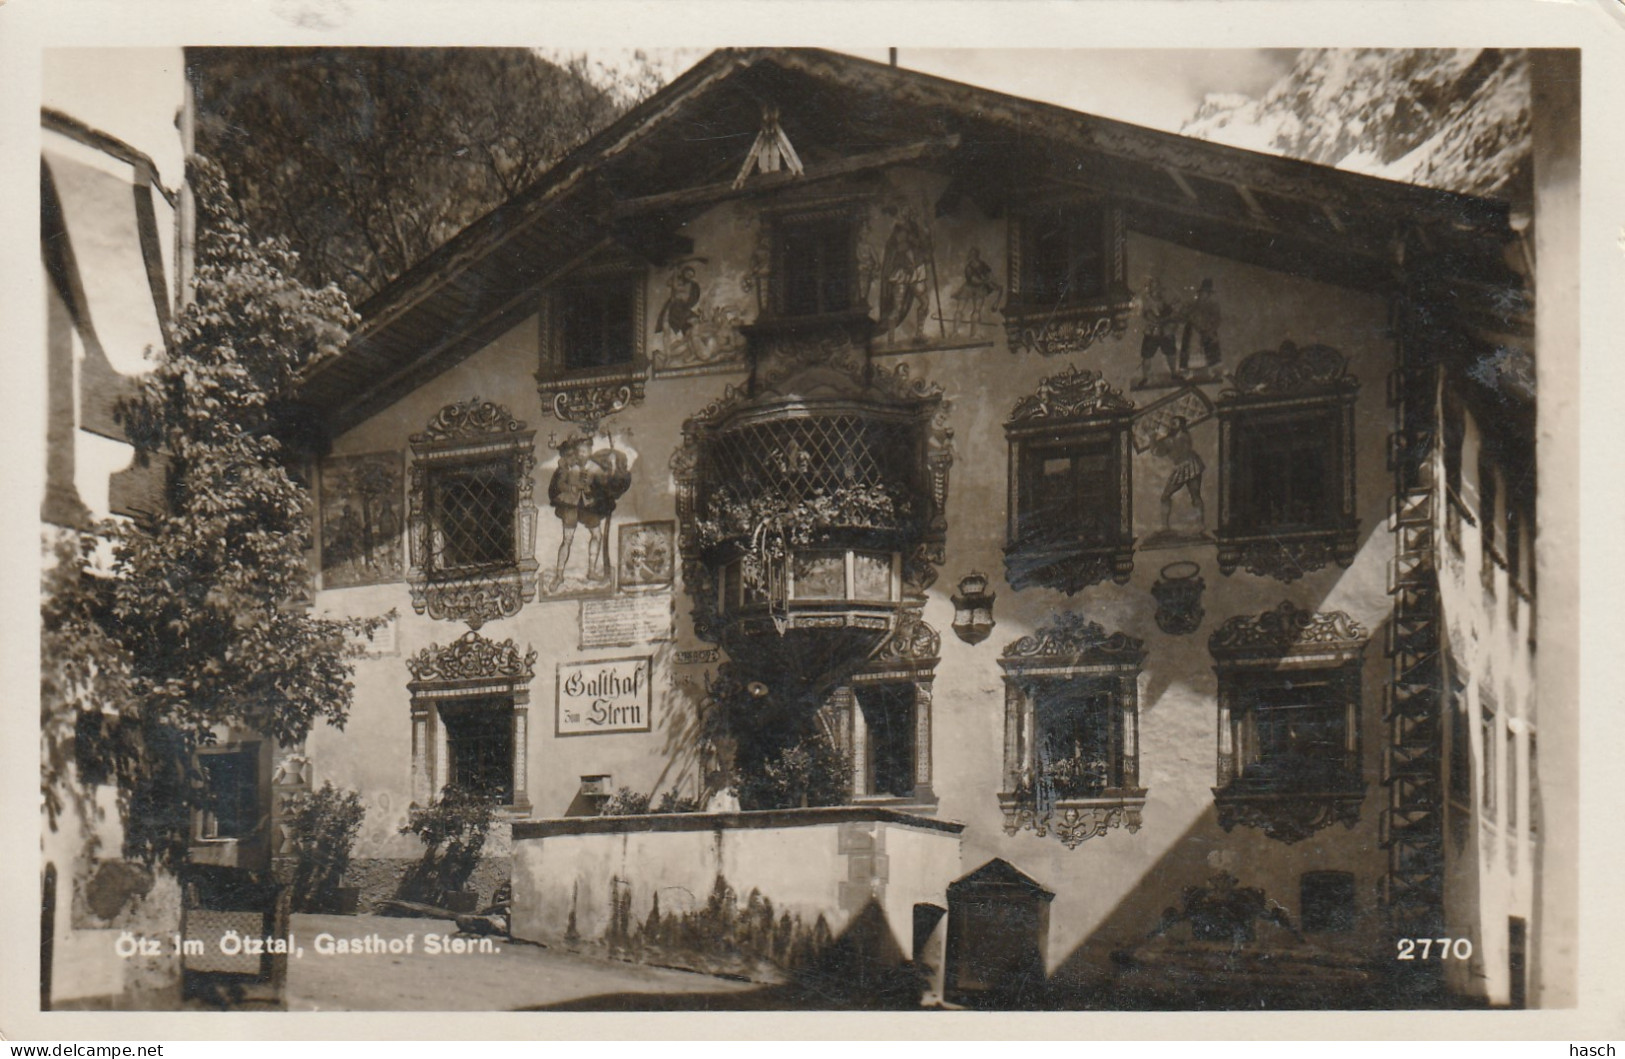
(636,183)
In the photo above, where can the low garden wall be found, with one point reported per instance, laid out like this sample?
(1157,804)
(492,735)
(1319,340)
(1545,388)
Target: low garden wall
(762,894)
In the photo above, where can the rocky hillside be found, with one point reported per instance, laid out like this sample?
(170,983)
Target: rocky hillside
(1454,119)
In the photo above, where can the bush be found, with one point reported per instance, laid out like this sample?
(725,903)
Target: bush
(323,825)
(627,802)
(672,802)
(812,771)
(453,832)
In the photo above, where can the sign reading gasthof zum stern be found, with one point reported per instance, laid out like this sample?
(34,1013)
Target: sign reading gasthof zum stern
(606,695)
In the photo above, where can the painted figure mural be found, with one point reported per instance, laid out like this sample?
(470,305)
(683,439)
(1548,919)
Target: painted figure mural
(584,490)
(361,520)
(692,329)
(1202,319)
(1185,476)
(1161,325)
(978,292)
(676,317)
(905,273)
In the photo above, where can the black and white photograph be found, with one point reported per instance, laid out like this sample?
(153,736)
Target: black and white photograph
(553,528)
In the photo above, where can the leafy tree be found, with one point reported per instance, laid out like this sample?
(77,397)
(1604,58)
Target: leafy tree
(367,159)
(204,627)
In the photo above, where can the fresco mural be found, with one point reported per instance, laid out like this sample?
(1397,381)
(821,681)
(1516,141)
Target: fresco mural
(1176,328)
(361,509)
(648,555)
(586,481)
(1162,433)
(697,327)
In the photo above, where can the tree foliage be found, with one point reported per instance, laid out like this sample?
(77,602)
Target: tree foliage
(203,627)
(367,159)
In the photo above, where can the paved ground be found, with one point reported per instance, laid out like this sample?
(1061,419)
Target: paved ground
(514,976)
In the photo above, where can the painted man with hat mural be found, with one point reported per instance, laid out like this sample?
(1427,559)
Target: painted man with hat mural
(584,490)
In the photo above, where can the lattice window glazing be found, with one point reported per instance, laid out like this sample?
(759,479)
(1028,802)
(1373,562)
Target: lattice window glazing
(799,459)
(471,510)
(480,746)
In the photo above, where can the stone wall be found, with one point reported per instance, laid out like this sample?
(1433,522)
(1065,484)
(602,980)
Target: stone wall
(760,894)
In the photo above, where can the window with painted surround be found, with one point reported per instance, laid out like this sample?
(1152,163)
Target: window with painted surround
(1070,506)
(1290,705)
(1071,740)
(1286,475)
(472,514)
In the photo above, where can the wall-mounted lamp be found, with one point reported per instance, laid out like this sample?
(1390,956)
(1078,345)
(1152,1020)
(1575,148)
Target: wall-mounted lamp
(973,608)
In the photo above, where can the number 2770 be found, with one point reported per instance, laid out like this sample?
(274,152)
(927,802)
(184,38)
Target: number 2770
(1434,948)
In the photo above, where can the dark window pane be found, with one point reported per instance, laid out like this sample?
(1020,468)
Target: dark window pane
(479,746)
(815,266)
(233,780)
(1075,738)
(595,325)
(1071,493)
(888,714)
(473,509)
(1063,254)
(1299,735)
(1287,472)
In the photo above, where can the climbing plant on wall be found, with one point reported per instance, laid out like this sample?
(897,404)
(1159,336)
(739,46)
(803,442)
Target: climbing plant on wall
(199,612)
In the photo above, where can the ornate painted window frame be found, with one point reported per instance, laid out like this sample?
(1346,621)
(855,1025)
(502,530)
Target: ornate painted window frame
(586,396)
(472,432)
(909,657)
(470,667)
(1070,648)
(1313,380)
(1071,406)
(1074,326)
(1252,649)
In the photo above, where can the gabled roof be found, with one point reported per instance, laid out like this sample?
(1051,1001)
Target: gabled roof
(636,183)
(999,875)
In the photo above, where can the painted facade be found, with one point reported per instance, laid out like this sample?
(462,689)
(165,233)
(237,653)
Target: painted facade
(1148,391)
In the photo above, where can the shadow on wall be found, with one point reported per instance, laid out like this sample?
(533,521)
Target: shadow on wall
(861,969)
(1152,953)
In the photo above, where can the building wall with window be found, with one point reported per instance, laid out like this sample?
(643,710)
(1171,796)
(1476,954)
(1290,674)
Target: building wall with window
(110,218)
(1110,889)
(1127,615)
(1486,562)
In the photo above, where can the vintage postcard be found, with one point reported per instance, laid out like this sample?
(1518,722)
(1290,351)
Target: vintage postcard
(582,524)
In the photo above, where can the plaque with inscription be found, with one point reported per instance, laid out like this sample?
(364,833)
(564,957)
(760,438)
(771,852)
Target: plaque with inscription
(625,621)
